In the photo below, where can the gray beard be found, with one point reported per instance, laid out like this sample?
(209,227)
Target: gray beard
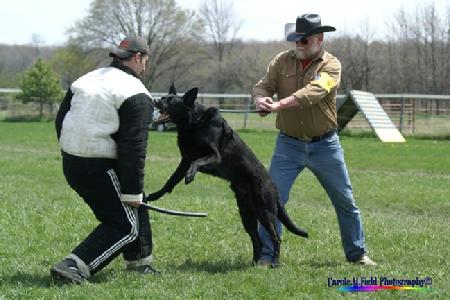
(308,54)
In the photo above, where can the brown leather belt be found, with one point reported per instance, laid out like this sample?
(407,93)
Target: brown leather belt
(314,138)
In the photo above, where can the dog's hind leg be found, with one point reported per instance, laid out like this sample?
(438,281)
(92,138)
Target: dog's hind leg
(249,220)
(268,222)
(251,227)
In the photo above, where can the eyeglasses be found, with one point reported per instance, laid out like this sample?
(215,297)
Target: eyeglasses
(303,41)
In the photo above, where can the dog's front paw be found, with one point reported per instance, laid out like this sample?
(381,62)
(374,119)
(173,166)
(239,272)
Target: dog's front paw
(190,174)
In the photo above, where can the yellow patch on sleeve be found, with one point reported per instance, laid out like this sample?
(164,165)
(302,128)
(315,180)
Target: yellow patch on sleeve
(325,81)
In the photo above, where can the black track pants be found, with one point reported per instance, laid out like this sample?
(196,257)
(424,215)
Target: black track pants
(122,228)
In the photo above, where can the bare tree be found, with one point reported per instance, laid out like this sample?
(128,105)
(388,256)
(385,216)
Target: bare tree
(401,30)
(222,25)
(431,28)
(447,51)
(366,34)
(392,74)
(170,30)
(418,37)
(351,53)
(221,29)
(70,62)
(36,39)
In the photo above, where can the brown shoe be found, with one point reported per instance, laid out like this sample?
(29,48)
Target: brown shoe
(365,261)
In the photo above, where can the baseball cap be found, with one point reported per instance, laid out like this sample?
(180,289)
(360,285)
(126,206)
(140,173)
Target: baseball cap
(130,45)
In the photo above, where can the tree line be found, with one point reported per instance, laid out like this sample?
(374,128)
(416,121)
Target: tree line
(200,48)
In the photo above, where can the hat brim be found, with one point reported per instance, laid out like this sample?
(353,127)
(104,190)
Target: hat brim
(295,37)
(120,53)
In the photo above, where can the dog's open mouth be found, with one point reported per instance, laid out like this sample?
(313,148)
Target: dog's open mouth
(163,118)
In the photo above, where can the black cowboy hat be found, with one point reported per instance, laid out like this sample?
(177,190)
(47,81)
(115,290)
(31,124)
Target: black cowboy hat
(306,25)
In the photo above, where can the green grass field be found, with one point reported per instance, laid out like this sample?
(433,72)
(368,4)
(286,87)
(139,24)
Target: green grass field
(403,191)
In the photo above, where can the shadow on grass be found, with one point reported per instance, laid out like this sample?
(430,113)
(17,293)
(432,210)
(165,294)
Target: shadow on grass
(28,280)
(223,266)
(45,281)
(213,267)
(104,276)
(321,264)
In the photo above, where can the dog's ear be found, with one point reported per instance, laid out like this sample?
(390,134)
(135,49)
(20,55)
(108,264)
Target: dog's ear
(172,90)
(190,97)
(209,114)
(227,129)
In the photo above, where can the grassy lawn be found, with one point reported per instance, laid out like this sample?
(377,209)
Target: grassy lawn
(403,191)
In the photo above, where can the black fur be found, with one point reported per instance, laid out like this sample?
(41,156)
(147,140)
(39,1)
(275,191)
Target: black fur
(208,144)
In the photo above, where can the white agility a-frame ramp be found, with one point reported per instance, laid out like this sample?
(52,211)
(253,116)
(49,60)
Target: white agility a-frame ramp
(375,115)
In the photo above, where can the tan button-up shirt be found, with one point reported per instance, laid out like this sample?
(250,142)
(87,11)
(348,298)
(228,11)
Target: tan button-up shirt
(315,89)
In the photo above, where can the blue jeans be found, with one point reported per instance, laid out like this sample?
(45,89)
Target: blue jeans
(325,159)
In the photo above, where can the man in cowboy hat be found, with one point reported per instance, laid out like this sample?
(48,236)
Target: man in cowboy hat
(306,80)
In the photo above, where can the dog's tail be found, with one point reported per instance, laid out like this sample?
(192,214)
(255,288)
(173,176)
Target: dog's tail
(287,222)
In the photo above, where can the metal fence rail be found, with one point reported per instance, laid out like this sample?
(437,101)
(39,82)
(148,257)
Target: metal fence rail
(411,113)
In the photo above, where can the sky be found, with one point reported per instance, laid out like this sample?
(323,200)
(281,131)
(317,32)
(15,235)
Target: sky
(263,20)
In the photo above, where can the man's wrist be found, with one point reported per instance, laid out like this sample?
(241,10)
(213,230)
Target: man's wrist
(290,101)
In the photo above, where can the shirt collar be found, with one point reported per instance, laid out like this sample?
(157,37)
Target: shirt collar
(124,68)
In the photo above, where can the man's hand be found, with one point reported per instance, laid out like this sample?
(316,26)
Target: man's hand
(133,204)
(268,105)
(262,112)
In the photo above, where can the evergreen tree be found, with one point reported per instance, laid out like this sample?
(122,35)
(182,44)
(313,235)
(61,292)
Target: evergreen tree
(40,84)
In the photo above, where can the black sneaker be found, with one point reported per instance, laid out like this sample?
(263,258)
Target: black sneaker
(144,269)
(66,271)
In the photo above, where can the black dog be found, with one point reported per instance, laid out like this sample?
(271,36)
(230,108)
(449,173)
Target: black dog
(208,144)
